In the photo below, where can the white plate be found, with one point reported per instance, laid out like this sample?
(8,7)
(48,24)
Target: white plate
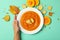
(41,23)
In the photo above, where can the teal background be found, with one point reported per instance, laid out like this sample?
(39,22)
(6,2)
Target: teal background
(50,32)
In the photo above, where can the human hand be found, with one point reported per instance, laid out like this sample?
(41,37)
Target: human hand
(15,25)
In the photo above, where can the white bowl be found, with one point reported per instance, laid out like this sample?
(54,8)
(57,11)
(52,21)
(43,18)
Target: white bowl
(37,29)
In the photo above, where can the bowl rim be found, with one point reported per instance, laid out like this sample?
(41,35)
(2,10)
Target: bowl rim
(41,19)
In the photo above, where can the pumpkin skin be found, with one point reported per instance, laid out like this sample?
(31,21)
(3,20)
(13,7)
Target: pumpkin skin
(14,10)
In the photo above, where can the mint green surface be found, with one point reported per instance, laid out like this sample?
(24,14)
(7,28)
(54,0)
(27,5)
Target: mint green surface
(50,32)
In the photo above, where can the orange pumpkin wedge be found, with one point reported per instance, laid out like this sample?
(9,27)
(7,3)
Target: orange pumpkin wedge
(6,18)
(36,2)
(14,10)
(30,3)
(47,20)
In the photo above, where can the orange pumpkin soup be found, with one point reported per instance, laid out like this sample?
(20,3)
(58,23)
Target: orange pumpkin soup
(30,20)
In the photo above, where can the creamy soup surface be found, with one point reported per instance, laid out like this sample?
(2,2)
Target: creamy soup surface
(30,20)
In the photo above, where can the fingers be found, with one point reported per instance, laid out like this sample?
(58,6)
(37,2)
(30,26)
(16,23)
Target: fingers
(15,23)
(15,18)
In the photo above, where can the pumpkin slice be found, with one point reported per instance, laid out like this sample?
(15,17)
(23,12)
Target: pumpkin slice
(14,10)
(50,13)
(49,7)
(40,7)
(46,20)
(30,21)
(36,2)
(23,6)
(6,18)
(30,3)
(44,12)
